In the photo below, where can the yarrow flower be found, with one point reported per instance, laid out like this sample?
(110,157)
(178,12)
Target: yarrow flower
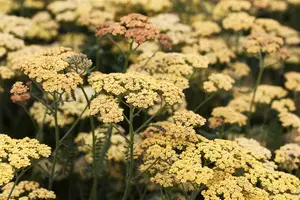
(240,21)
(226,115)
(138,90)
(292,81)
(288,156)
(262,42)
(284,105)
(26,190)
(20,92)
(289,119)
(174,154)
(237,70)
(172,67)
(133,26)
(188,119)
(217,82)
(16,154)
(55,69)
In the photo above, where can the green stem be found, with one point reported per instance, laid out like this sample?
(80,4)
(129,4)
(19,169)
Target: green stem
(16,181)
(130,168)
(204,102)
(92,123)
(127,57)
(57,143)
(258,80)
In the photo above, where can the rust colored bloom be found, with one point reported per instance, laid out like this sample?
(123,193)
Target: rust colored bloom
(133,26)
(110,28)
(20,92)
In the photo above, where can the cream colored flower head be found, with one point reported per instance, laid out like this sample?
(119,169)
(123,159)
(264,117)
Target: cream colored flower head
(237,70)
(240,21)
(226,115)
(26,190)
(284,105)
(223,8)
(175,68)
(218,82)
(137,89)
(58,69)
(288,156)
(292,81)
(188,118)
(8,43)
(261,42)
(206,28)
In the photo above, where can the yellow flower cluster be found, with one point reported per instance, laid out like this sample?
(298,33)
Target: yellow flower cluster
(240,21)
(261,42)
(215,49)
(256,150)
(15,58)
(206,28)
(266,93)
(8,6)
(26,190)
(6,73)
(292,81)
(138,90)
(223,8)
(169,24)
(172,67)
(218,81)
(284,105)
(107,106)
(288,156)
(226,115)
(57,68)
(237,70)
(188,119)
(45,27)
(16,154)
(174,154)
(116,151)
(40,26)
(273,27)
(9,43)
(289,119)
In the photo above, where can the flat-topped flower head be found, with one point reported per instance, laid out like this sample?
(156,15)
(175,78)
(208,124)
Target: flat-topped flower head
(16,154)
(240,21)
(206,28)
(292,81)
(223,8)
(218,81)
(138,90)
(188,118)
(288,119)
(226,115)
(19,92)
(172,67)
(26,190)
(58,69)
(133,26)
(284,105)
(261,42)
(8,43)
(288,156)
